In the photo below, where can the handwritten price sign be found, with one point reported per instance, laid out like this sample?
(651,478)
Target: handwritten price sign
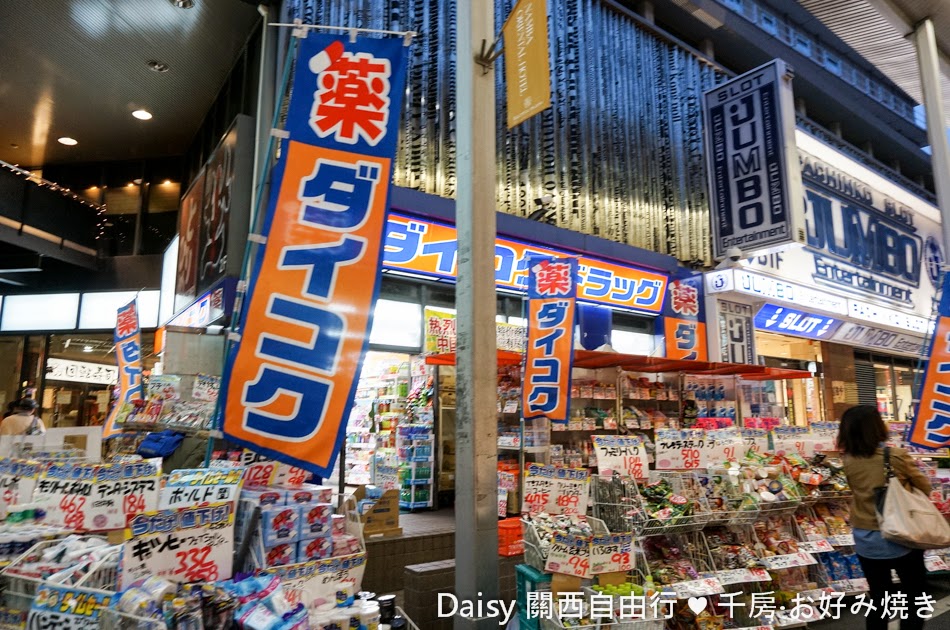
(740,576)
(697,588)
(620,454)
(555,490)
(816,546)
(17,480)
(800,559)
(66,609)
(679,450)
(611,553)
(722,445)
(756,440)
(569,555)
(316,582)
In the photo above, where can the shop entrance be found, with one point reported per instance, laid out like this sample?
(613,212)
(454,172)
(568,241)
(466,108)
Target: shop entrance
(801,398)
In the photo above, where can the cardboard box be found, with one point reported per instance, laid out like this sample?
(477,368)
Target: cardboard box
(382,519)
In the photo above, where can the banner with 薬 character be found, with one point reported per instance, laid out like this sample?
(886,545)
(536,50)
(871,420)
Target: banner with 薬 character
(290,379)
(128,356)
(552,292)
(931,425)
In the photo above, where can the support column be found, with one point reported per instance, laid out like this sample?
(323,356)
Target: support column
(929,62)
(476,477)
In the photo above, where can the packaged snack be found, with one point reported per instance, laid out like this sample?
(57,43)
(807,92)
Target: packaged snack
(265,496)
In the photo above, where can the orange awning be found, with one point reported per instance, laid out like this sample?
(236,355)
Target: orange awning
(505,357)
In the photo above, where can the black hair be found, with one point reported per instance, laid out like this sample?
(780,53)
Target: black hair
(26,404)
(862,430)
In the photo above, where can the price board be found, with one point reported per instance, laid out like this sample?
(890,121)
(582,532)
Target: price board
(87,497)
(696,588)
(387,477)
(801,441)
(569,555)
(611,553)
(842,540)
(200,486)
(935,563)
(800,559)
(18,478)
(816,546)
(622,454)
(756,440)
(740,576)
(502,502)
(679,450)
(316,582)
(722,445)
(64,608)
(555,490)
(858,585)
(184,545)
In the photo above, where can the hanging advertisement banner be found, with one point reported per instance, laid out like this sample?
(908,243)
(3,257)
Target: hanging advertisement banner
(290,380)
(931,425)
(527,62)
(128,356)
(755,187)
(552,289)
(189,230)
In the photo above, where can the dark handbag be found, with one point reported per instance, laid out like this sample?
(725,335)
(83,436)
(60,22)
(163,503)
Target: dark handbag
(880,494)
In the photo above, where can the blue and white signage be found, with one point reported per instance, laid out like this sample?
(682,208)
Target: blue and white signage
(774,289)
(781,319)
(879,339)
(870,242)
(754,184)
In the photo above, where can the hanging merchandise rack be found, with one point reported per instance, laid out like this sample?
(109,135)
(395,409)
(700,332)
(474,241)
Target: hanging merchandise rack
(728,503)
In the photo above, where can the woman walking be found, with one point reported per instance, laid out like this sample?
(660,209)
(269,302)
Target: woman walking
(861,439)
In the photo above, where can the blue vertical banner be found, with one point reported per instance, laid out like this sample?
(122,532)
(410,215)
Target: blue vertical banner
(290,379)
(552,305)
(128,356)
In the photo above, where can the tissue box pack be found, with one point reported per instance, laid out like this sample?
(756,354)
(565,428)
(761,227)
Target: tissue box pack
(314,549)
(315,520)
(280,524)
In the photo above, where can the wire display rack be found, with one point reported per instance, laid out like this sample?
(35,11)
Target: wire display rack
(619,502)
(728,504)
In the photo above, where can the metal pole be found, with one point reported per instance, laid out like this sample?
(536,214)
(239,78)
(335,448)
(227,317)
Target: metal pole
(929,62)
(266,78)
(476,520)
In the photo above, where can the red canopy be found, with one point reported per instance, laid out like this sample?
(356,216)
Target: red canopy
(505,357)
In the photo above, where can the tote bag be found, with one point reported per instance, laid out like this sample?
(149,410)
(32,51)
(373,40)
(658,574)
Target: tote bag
(908,517)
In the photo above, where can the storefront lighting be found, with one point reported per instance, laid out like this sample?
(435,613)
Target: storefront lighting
(69,142)
(142,114)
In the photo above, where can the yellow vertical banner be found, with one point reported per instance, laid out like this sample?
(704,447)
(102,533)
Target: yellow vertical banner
(527,61)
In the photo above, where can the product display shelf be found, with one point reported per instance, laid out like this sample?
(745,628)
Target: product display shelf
(670,503)
(415,446)
(710,402)
(649,402)
(728,504)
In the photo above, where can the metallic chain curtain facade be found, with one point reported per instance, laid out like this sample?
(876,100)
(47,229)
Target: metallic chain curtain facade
(620,150)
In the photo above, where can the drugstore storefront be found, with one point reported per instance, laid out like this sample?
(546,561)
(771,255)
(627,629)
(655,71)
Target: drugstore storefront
(631,300)
(854,305)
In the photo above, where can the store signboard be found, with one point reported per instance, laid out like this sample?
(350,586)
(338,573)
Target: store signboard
(790,321)
(527,61)
(211,306)
(81,372)
(931,425)
(128,354)
(754,180)
(552,289)
(189,229)
(430,249)
(775,289)
(875,338)
(736,332)
(185,545)
(86,497)
(868,239)
(291,378)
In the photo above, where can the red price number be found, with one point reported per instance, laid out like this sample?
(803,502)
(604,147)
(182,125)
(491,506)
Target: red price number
(729,452)
(9,496)
(690,458)
(74,517)
(296,476)
(133,504)
(620,559)
(194,565)
(579,565)
(568,501)
(259,475)
(800,447)
(633,466)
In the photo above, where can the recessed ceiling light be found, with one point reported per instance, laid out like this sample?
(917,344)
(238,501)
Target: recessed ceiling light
(87,348)
(157,66)
(142,114)
(69,142)
(166,182)
(14,145)
(184,4)
(137,181)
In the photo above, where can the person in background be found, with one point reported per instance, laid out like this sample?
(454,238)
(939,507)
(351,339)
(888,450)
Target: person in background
(24,420)
(861,439)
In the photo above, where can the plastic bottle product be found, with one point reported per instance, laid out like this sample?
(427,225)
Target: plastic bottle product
(369,615)
(387,608)
(648,587)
